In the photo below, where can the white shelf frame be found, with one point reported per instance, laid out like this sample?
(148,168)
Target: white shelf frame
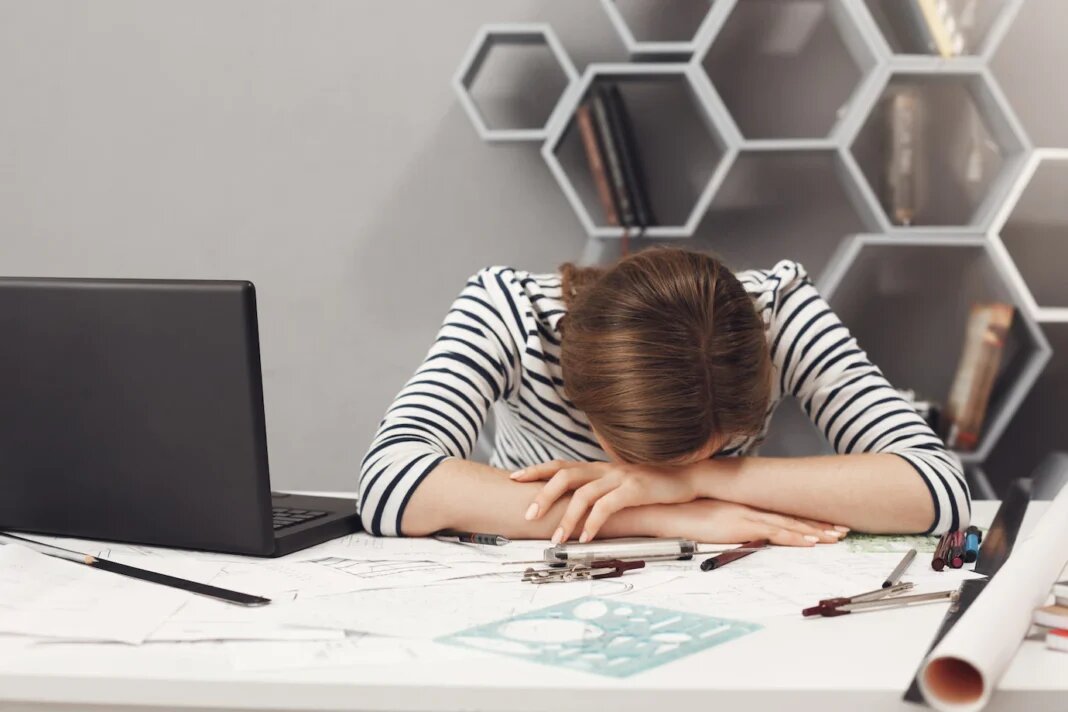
(474,61)
(1058,314)
(678,49)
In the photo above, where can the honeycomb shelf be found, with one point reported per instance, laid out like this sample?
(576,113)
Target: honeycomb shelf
(763,130)
(1038,427)
(1031,232)
(787,70)
(663,28)
(906,300)
(497,110)
(684,162)
(970,143)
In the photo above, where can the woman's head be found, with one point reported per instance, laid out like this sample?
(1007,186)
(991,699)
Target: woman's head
(666,355)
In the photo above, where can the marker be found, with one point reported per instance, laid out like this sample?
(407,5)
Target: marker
(472,538)
(956,551)
(941,552)
(728,556)
(972,538)
(900,569)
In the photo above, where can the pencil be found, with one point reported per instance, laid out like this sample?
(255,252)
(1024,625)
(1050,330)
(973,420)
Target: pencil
(115,567)
(733,555)
(899,570)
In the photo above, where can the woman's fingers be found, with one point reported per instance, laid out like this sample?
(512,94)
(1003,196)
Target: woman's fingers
(812,534)
(558,485)
(601,510)
(541,471)
(826,527)
(581,501)
(786,537)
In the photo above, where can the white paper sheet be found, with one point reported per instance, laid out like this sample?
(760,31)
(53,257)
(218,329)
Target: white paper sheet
(48,597)
(961,672)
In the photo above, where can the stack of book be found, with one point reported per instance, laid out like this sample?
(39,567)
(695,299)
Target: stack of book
(1055,618)
(980,361)
(930,27)
(612,153)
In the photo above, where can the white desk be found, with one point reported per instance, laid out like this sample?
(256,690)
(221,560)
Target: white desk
(856,662)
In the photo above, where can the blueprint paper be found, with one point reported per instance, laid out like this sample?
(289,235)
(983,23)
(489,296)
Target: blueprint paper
(44,596)
(616,638)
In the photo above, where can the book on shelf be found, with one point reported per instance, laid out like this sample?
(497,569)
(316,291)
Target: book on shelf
(623,203)
(980,359)
(901,188)
(614,160)
(591,143)
(917,36)
(630,158)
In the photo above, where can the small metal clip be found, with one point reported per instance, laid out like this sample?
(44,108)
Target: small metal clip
(610,568)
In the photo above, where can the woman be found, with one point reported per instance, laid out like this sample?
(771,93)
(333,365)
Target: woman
(629,401)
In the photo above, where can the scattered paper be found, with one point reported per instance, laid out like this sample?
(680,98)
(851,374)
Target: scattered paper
(44,596)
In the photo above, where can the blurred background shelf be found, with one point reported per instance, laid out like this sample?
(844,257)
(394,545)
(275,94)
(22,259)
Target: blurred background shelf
(773,129)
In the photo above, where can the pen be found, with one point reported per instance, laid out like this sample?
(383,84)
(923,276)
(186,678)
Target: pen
(955,559)
(972,538)
(203,589)
(895,575)
(472,538)
(728,556)
(941,553)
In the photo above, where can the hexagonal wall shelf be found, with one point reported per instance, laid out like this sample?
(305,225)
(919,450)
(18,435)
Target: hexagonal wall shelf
(1031,230)
(662,27)
(976,25)
(792,204)
(1038,427)
(511,80)
(907,299)
(683,161)
(938,149)
(787,70)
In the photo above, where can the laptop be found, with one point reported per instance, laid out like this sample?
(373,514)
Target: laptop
(132,411)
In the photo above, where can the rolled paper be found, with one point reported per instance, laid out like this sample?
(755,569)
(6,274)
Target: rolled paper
(961,672)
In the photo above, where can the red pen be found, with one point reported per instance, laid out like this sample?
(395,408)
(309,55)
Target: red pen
(728,556)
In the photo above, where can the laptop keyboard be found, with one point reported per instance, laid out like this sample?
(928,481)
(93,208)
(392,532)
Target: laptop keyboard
(285,517)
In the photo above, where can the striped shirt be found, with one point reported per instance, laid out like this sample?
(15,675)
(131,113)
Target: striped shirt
(499,348)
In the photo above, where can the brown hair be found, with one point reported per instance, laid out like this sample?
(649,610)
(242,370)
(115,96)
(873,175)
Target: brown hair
(662,351)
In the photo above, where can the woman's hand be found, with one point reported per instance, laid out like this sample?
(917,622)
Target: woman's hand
(601,489)
(713,521)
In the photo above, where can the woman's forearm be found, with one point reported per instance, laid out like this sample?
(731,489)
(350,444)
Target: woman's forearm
(868,492)
(460,494)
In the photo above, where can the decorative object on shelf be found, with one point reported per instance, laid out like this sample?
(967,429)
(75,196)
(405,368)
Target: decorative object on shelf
(904,119)
(980,359)
(478,56)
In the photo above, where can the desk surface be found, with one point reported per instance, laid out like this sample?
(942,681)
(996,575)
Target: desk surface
(849,663)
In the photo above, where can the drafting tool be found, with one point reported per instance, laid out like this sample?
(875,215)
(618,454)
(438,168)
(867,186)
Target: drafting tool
(471,538)
(879,604)
(879,593)
(941,553)
(610,568)
(114,567)
(625,550)
(956,550)
(992,555)
(900,569)
(733,555)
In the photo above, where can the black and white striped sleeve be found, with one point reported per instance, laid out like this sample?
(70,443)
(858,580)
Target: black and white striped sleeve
(439,413)
(849,399)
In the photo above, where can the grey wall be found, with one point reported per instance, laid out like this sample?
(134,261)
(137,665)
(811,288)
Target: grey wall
(316,148)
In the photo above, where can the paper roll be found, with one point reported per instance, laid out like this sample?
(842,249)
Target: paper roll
(961,672)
